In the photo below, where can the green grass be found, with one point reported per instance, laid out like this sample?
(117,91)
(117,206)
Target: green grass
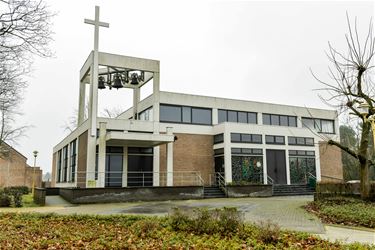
(347,211)
(50,231)
(28,201)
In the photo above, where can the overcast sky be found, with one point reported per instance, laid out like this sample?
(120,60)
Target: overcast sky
(249,50)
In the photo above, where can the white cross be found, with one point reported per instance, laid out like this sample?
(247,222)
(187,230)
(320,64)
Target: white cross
(96,23)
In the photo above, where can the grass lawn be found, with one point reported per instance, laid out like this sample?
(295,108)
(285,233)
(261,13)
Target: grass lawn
(346,211)
(28,201)
(49,231)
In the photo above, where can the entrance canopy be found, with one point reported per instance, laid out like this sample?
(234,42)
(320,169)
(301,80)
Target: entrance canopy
(135,139)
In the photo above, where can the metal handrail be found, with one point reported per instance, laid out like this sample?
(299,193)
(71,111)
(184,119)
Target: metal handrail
(311,175)
(269,180)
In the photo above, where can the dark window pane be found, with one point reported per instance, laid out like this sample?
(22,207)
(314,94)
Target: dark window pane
(232,116)
(301,152)
(257,151)
(291,140)
(266,119)
(292,152)
(201,116)
(245,137)
(292,121)
(246,151)
(310,152)
(252,118)
(300,141)
(309,141)
(219,151)
(242,117)
(283,120)
(275,120)
(222,116)
(236,151)
(270,139)
(186,114)
(235,137)
(308,123)
(170,113)
(218,138)
(257,138)
(279,139)
(318,125)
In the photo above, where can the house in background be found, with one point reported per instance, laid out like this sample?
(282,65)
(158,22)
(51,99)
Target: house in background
(174,139)
(14,171)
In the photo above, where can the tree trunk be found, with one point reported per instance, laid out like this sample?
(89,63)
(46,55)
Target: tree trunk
(363,147)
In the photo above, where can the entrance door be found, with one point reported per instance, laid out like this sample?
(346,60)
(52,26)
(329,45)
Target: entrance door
(113,167)
(140,167)
(276,166)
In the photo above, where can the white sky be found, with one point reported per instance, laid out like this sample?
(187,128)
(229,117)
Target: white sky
(259,51)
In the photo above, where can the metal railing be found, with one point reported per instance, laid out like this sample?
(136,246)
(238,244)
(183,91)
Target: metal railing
(137,179)
(269,180)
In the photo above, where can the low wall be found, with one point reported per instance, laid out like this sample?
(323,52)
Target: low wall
(108,195)
(40,196)
(256,190)
(326,190)
(52,191)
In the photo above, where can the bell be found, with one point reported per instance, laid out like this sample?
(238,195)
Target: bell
(117,82)
(134,79)
(101,83)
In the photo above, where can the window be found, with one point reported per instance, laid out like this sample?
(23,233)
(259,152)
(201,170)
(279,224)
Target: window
(65,164)
(201,116)
(321,125)
(247,151)
(146,115)
(73,156)
(247,165)
(301,141)
(275,139)
(184,114)
(170,113)
(246,138)
(219,151)
(59,166)
(279,120)
(218,138)
(301,152)
(236,116)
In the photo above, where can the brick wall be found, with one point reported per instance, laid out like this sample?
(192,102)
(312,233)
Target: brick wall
(82,160)
(191,152)
(330,162)
(14,171)
(54,166)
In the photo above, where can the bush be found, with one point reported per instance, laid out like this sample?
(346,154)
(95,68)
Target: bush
(269,232)
(204,221)
(146,228)
(15,194)
(17,189)
(5,199)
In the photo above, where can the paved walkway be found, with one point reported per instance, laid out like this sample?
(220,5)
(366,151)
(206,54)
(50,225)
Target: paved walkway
(285,211)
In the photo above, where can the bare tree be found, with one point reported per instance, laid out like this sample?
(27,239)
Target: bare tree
(24,32)
(351,87)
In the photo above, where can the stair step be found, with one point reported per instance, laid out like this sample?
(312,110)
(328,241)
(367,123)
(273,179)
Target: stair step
(213,192)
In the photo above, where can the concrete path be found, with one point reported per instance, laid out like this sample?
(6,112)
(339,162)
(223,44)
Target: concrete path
(285,211)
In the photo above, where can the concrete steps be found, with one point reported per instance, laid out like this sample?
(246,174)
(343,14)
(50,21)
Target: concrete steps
(213,192)
(294,189)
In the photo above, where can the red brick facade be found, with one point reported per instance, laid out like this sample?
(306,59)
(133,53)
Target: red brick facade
(330,163)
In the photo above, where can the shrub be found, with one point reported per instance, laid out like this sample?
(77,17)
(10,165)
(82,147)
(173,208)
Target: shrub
(5,199)
(269,232)
(17,189)
(146,228)
(204,221)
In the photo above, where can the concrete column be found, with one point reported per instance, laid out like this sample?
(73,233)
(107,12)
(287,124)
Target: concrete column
(136,99)
(102,154)
(125,167)
(287,166)
(259,118)
(81,103)
(227,157)
(91,156)
(317,162)
(265,173)
(93,105)
(169,160)
(156,177)
(156,101)
(215,116)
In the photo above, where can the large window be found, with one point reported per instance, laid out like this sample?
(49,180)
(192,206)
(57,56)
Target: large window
(59,157)
(219,138)
(279,120)
(301,165)
(246,138)
(146,115)
(275,139)
(73,158)
(300,141)
(65,164)
(184,114)
(247,165)
(321,125)
(237,116)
